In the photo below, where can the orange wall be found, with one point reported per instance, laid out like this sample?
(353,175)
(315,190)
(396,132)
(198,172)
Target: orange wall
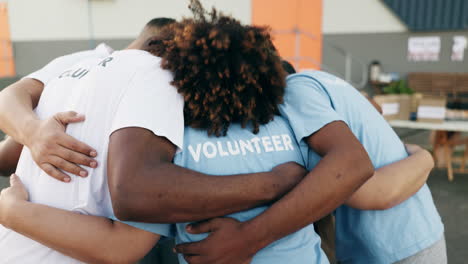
(7,67)
(306,15)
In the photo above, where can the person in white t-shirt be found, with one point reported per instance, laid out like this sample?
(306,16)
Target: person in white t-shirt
(115,92)
(27,92)
(125,96)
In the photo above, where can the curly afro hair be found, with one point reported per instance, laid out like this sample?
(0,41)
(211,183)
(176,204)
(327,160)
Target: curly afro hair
(227,72)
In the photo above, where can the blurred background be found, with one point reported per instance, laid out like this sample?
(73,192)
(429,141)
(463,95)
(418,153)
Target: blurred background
(410,55)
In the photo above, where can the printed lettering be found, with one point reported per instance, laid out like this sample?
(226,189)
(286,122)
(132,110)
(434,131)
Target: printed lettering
(84,74)
(65,74)
(222,153)
(245,145)
(105,61)
(255,145)
(256,141)
(79,73)
(195,153)
(287,142)
(231,150)
(267,144)
(277,143)
(207,153)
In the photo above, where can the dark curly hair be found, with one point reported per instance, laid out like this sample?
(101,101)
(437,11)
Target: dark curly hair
(227,72)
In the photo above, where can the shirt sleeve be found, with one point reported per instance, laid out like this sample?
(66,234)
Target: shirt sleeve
(167,230)
(58,65)
(307,106)
(151,102)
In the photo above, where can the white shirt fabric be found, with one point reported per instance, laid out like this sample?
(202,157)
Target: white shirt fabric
(127,89)
(58,65)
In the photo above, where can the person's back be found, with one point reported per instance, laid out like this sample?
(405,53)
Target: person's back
(102,90)
(242,151)
(384,236)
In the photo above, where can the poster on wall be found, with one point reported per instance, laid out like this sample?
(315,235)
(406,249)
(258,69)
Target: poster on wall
(423,48)
(460,44)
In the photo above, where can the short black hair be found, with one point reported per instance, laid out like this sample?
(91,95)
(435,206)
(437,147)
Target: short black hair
(160,22)
(287,66)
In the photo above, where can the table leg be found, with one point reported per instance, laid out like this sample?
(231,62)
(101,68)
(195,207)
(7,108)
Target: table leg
(448,158)
(435,149)
(438,144)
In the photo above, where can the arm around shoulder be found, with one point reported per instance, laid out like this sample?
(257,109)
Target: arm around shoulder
(133,160)
(394,183)
(146,186)
(345,166)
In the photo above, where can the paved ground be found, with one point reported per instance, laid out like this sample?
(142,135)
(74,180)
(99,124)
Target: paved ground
(452,201)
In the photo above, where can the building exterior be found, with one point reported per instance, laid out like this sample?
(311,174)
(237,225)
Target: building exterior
(371,30)
(365,30)
(42,30)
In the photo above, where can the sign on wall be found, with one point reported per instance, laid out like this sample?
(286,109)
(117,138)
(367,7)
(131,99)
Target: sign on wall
(460,44)
(423,48)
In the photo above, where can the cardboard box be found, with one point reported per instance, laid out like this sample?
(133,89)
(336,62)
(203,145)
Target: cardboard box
(390,105)
(432,109)
(415,101)
(405,106)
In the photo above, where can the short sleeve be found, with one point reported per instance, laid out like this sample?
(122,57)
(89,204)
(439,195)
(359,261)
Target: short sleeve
(151,102)
(167,230)
(60,64)
(307,106)
(57,66)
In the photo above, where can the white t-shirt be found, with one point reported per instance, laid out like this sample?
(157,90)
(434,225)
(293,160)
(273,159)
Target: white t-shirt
(58,65)
(126,89)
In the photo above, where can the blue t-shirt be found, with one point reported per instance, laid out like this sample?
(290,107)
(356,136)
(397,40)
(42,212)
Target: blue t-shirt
(315,99)
(239,152)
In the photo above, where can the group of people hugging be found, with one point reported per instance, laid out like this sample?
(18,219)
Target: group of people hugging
(199,131)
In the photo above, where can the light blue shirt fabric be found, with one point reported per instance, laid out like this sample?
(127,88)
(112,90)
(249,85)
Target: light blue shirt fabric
(314,99)
(165,230)
(239,152)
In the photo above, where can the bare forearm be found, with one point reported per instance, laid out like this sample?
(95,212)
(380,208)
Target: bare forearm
(183,195)
(148,187)
(90,239)
(16,108)
(394,183)
(325,188)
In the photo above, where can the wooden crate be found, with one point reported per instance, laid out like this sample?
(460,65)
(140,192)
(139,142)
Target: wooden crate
(453,86)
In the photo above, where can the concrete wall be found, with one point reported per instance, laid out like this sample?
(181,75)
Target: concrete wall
(365,28)
(4,82)
(32,55)
(359,16)
(43,30)
(68,19)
